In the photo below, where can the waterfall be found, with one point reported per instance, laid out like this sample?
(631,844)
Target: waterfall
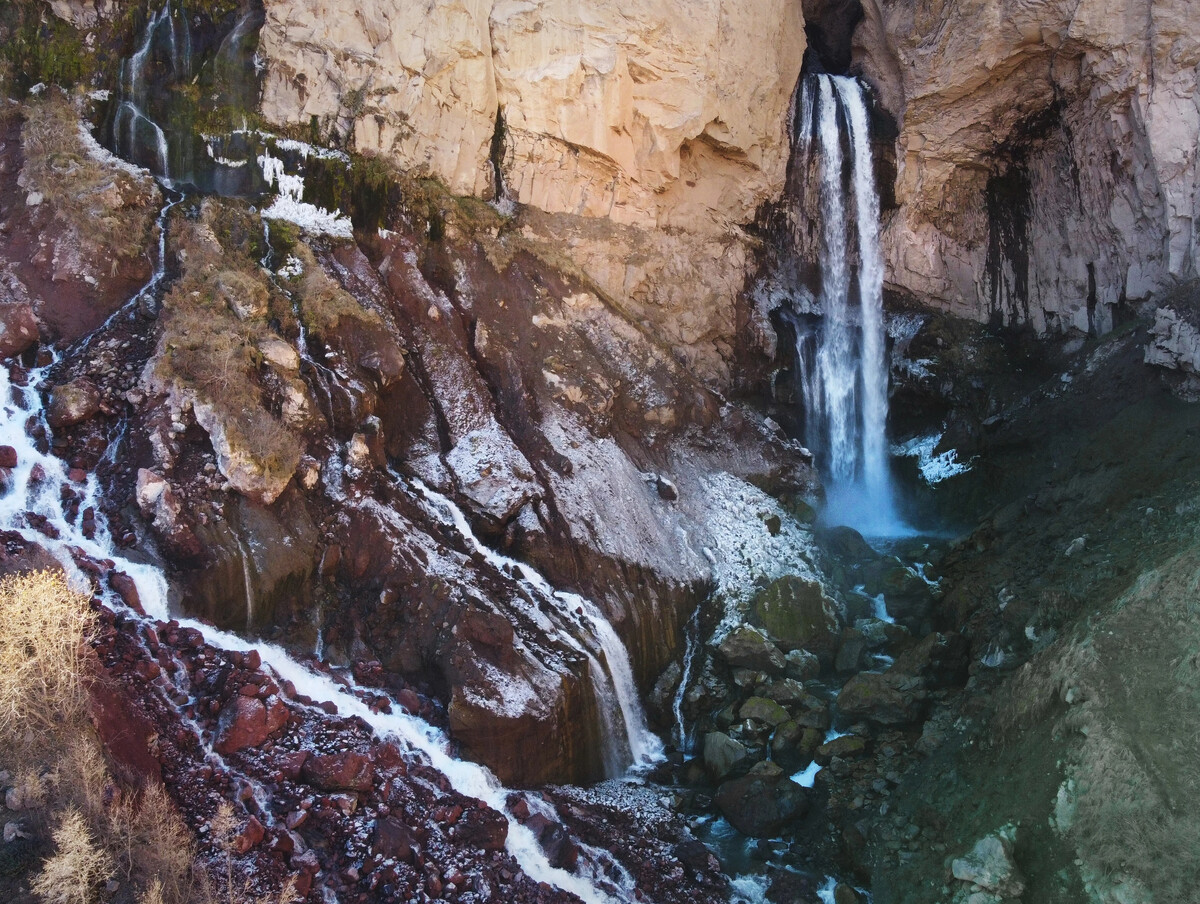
(630,743)
(841,369)
(164,53)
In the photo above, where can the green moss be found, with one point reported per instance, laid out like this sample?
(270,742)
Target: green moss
(36,46)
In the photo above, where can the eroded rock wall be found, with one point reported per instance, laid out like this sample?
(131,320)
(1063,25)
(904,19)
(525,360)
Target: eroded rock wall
(1047,155)
(660,132)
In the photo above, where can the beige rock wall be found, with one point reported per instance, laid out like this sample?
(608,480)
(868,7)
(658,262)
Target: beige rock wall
(636,115)
(1093,104)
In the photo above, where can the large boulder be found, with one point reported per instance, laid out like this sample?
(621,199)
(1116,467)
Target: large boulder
(248,722)
(345,771)
(763,802)
(798,614)
(888,698)
(749,648)
(990,865)
(18,328)
(723,755)
(72,403)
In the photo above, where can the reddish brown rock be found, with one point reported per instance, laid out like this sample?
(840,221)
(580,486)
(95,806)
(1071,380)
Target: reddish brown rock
(247,722)
(8,457)
(73,403)
(18,329)
(347,771)
(124,728)
(250,837)
(125,587)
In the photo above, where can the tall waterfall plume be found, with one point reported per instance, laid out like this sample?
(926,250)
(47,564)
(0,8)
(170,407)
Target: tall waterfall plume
(841,361)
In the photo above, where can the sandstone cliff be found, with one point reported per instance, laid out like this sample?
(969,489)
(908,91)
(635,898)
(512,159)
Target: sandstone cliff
(1047,153)
(660,132)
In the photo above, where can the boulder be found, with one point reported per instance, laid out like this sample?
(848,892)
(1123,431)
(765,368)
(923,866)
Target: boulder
(799,615)
(802,665)
(344,771)
(8,457)
(761,804)
(793,744)
(723,755)
(72,403)
(843,747)
(888,698)
(248,722)
(393,839)
(990,865)
(18,328)
(750,648)
(761,709)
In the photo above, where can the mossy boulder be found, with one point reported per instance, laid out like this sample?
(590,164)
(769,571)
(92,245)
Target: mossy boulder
(760,709)
(799,615)
(888,699)
(750,648)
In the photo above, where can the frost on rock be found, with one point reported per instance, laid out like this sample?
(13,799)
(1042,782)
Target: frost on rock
(288,206)
(492,472)
(743,549)
(934,468)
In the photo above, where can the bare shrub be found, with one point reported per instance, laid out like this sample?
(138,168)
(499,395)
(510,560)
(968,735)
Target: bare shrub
(42,625)
(71,875)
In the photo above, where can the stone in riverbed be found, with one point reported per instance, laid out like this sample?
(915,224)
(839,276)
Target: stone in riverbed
(763,802)
(888,698)
(797,613)
(248,722)
(990,865)
(763,710)
(345,771)
(750,648)
(802,665)
(18,328)
(723,755)
(72,403)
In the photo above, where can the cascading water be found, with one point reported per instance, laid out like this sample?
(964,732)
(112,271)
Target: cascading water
(629,744)
(164,54)
(840,364)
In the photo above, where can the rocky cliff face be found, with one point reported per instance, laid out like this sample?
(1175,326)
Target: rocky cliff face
(650,135)
(1047,153)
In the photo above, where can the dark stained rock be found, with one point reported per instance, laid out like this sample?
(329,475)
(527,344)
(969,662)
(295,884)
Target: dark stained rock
(346,771)
(72,403)
(761,803)
(749,648)
(396,840)
(696,856)
(8,457)
(247,722)
(482,827)
(799,615)
(888,698)
(942,659)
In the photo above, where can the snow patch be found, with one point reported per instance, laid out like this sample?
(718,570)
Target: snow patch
(934,468)
(288,206)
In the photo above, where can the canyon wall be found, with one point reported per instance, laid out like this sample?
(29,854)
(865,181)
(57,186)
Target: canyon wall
(1047,153)
(648,135)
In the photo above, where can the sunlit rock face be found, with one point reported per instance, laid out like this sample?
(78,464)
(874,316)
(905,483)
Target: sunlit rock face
(631,117)
(1047,153)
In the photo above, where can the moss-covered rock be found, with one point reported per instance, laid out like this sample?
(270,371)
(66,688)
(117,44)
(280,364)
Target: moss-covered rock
(799,615)
(760,709)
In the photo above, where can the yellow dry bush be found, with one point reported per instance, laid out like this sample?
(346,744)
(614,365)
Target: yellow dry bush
(323,302)
(77,867)
(42,626)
